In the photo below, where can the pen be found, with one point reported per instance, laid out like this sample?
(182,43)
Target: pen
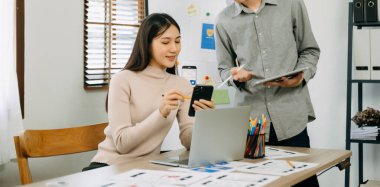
(290,164)
(225,81)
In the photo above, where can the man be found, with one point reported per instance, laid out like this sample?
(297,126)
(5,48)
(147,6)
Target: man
(270,37)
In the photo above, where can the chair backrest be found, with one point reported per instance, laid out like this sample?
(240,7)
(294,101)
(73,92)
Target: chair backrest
(43,143)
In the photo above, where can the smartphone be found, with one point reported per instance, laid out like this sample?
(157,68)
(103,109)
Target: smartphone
(200,92)
(190,73)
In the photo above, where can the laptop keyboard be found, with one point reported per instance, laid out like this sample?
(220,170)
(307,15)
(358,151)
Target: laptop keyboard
(181,162)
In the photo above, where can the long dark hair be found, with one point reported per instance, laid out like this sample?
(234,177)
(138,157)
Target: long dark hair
(151,27)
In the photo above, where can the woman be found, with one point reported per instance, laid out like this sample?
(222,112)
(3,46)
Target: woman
(146,97)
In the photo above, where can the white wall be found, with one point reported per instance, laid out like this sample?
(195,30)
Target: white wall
(54,94)
(54,49)
(328,88)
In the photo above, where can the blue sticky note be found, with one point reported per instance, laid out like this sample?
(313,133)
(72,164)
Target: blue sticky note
(208,39)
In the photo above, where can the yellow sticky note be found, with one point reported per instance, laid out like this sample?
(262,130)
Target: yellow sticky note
(192,10)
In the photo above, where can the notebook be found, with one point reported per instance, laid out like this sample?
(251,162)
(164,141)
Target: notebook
(219,135)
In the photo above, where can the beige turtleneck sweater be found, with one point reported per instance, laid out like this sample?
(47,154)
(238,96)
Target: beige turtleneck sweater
(136,127)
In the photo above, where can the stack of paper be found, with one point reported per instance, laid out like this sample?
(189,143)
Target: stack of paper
(365,133)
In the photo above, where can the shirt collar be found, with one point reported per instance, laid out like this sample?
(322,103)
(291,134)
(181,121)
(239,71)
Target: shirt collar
(239,7)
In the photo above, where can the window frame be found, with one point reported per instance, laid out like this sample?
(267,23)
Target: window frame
(20,51)
(108,75)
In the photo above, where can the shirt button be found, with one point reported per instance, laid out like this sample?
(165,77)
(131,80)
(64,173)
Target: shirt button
(260,34)
(264,52)
(256,16)
(267,69)
(268,88)
(268,104)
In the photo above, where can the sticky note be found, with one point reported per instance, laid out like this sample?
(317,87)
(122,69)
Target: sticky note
(208,39)
(220,96)
(192,10)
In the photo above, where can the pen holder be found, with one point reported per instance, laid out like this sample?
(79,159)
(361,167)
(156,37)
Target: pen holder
(255,146)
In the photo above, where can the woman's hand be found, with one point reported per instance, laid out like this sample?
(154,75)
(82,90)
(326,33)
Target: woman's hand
(203,105)
(286,82)
(170,101)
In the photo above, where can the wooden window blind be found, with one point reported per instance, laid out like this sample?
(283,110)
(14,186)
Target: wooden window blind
(110,29)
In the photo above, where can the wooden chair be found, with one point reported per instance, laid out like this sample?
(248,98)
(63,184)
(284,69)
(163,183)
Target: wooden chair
(43,143)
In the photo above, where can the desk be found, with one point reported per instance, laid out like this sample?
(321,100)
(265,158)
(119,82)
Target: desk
(325,157)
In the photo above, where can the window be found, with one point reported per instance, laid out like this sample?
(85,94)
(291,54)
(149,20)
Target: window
(110,31)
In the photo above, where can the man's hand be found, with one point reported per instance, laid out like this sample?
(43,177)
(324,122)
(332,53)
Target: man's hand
(241,75)
(286,82)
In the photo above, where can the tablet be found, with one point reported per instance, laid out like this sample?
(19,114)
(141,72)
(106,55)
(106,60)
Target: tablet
(277,78)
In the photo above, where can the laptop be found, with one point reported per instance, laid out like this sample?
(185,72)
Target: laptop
(219,135)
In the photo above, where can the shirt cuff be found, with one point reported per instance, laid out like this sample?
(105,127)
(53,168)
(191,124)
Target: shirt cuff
(306,77)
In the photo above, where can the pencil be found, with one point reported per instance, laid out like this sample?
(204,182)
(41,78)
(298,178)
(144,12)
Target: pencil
(184,96)
(290,164)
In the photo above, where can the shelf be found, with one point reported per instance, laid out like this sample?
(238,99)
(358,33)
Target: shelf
(350,82)
(377,141)
(365,81)
(367,24)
